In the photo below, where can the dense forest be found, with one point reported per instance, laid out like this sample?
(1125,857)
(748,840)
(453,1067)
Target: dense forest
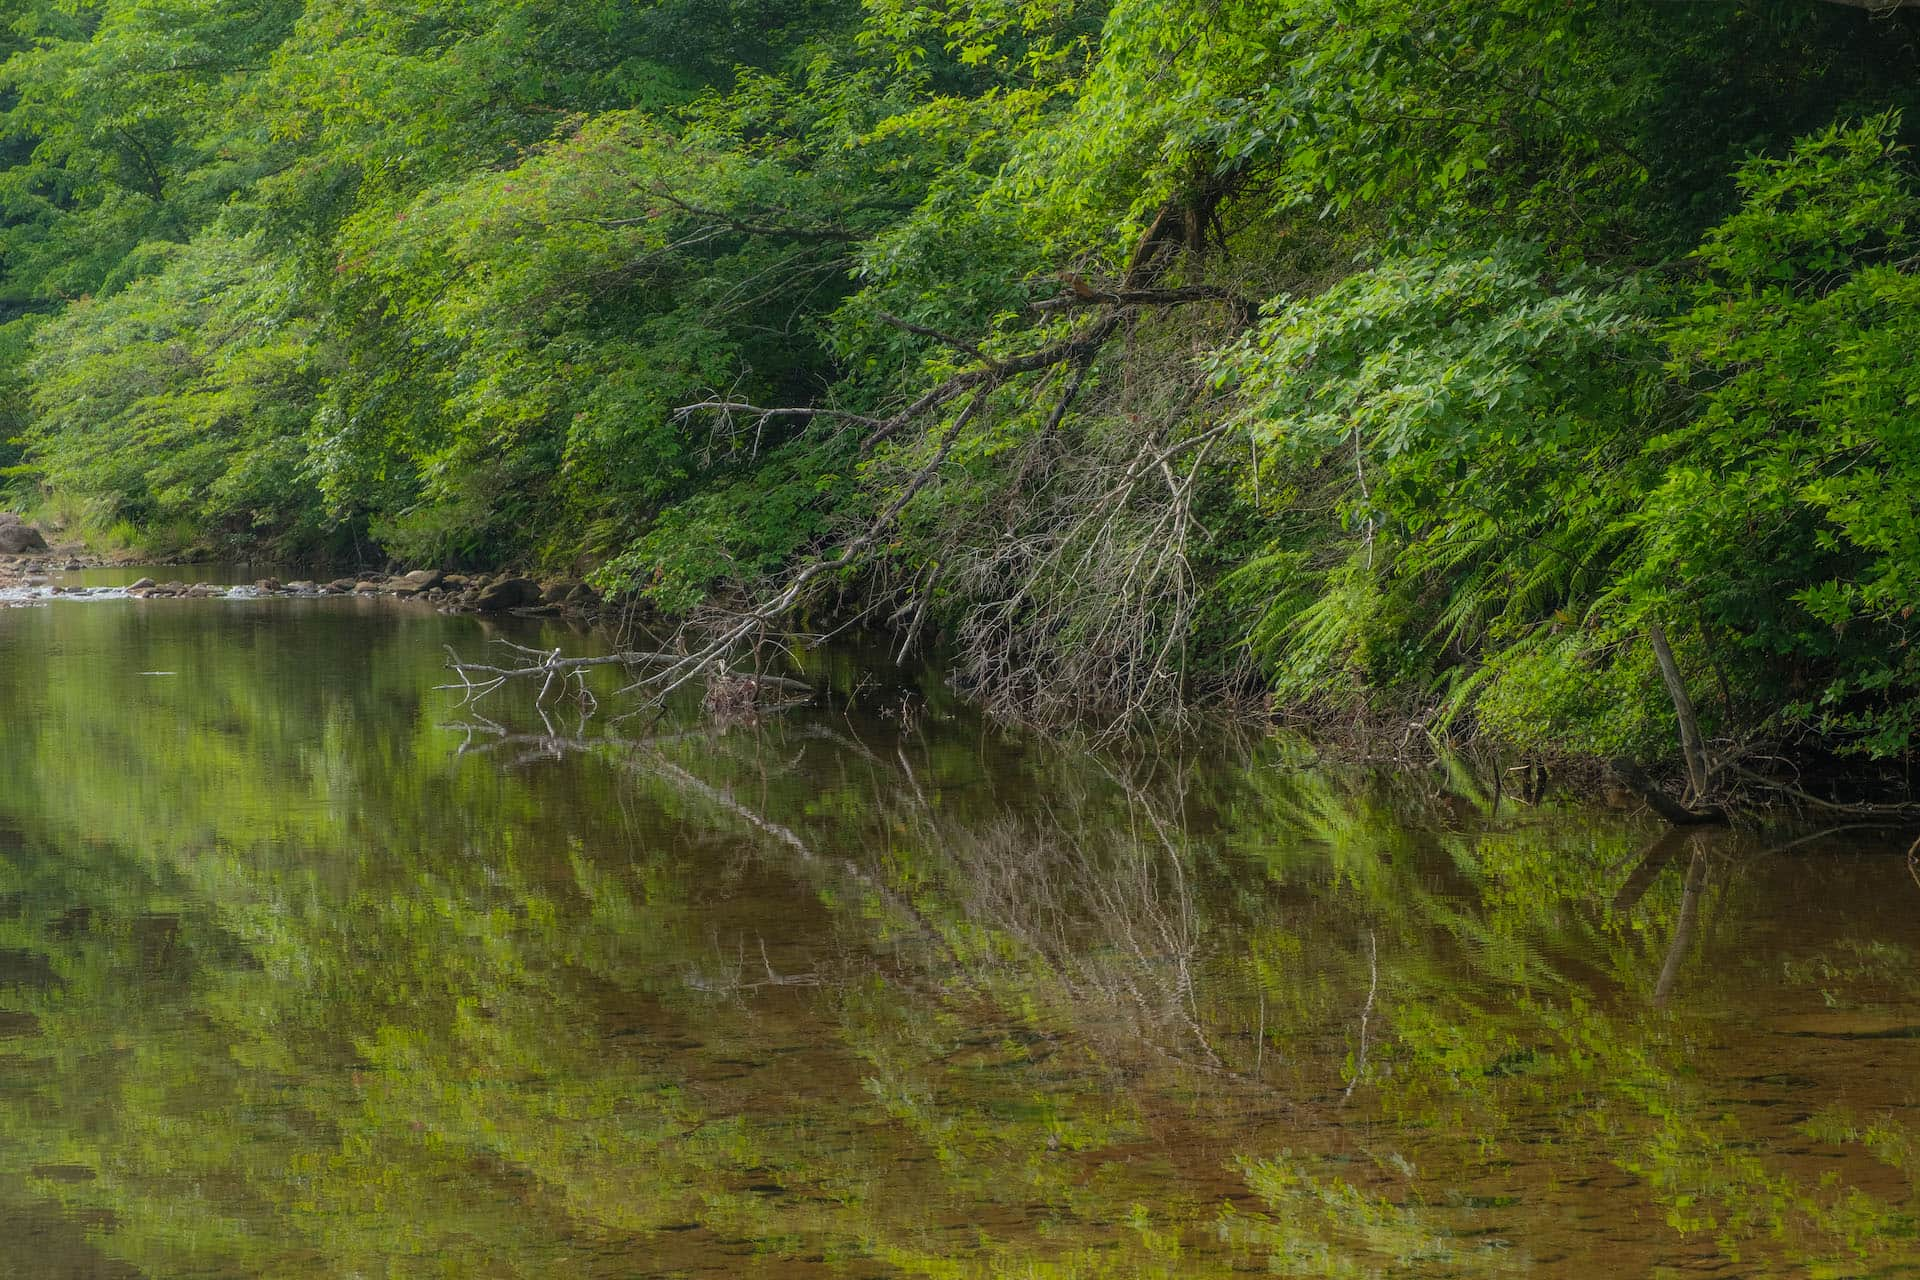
(1450,359)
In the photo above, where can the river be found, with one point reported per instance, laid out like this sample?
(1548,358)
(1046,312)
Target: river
(308,971)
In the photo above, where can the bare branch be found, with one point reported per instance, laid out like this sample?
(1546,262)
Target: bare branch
(763,415)
(747,226)
(1088,296)
(685,668)
(959,344)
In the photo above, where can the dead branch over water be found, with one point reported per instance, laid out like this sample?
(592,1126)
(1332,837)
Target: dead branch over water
(1071,588)
(1072,595)
(729,691)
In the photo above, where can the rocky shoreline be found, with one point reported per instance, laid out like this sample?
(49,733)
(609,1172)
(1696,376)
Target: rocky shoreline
(448,592)
(29,565)
(451,592)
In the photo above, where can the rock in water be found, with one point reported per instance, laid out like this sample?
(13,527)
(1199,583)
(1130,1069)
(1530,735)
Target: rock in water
(509,593)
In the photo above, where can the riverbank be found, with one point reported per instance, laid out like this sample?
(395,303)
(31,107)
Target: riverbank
(1762,779)
(41,575)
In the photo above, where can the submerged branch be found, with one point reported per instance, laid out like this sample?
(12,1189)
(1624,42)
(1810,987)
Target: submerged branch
(549,666)
(1634,779)
(1862,809)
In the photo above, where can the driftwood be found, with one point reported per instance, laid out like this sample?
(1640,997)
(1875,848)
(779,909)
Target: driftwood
(478,679)
(1634,779)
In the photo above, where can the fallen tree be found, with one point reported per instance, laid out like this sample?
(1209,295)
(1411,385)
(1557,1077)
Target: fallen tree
(1069,585)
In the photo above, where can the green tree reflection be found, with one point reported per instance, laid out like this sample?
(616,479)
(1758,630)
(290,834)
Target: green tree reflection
(297,979)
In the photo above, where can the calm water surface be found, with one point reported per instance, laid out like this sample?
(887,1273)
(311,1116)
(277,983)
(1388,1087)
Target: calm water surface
(302,977)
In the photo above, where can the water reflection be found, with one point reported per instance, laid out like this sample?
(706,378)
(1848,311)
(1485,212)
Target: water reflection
(299,977)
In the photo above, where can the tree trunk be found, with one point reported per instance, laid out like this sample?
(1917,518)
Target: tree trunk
(1691,744)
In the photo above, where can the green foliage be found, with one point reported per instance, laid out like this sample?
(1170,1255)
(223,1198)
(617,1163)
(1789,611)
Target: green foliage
(1520,325)
(1459,417)
(1787,516)
(16,414)
(181,398)
(1565,691)
(738,533)
(1528,467)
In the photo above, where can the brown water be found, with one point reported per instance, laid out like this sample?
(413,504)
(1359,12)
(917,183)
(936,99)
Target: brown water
(300,978)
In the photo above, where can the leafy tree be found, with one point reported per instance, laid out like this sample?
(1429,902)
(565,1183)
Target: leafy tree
(1414,357)
(1785,516)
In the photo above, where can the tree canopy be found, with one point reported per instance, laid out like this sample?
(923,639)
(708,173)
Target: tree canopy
(1409,357)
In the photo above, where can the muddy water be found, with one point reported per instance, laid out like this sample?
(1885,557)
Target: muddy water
(305,971)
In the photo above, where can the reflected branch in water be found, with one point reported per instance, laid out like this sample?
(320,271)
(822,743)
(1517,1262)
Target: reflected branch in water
(1111,924)
(1096,910)
(1653,860)
(1683,927)
(640,754)
(643,756)
(723,798)
(729,692)
(481,1013)
(739,984)
(483,736)
(548,667)
(1366,1013)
